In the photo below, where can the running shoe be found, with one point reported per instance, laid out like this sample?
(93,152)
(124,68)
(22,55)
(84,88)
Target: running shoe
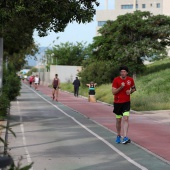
(126,140)
(118,139)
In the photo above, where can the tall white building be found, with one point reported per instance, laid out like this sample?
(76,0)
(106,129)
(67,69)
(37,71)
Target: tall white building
(128,6)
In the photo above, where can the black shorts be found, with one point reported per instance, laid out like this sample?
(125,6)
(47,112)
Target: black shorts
(120,108)
(54,87)
(91,92)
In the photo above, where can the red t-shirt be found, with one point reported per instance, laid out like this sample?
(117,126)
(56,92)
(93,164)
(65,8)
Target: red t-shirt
(121,96)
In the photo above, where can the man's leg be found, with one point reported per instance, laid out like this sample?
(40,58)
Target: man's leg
(56,92)
(77,91)
(53,94)
(118,128)
(74,91)
(118,125)
(125,127)
(37,86)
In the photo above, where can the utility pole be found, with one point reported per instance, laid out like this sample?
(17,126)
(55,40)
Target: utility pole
(1,61)
(135,2)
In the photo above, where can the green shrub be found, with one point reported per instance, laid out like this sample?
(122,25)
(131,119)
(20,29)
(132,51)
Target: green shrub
(4,105)
(100,72)
(11,83)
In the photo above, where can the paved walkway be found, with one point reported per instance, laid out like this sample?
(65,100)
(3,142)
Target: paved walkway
(150,130)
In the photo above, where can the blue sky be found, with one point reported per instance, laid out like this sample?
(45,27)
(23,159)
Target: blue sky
(74,32)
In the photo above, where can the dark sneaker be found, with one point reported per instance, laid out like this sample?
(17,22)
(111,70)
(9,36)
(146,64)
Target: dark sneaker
(126,140)
(118,139)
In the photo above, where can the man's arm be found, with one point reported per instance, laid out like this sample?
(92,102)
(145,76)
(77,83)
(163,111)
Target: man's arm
(117,90)
(133,89)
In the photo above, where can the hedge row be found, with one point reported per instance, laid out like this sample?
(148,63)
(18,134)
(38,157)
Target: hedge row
(10,89)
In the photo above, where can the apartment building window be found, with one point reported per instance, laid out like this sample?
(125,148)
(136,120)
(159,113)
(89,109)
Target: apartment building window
(158,5)
(143,5)
(127,6)
(151,5)
(101,23)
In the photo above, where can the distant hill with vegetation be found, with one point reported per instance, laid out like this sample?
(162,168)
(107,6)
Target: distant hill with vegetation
(153,88)
(33,60)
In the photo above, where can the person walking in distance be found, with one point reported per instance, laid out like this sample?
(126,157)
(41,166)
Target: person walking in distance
(56,85)
(36,82)
(76,84)
(31,79)
(122,87)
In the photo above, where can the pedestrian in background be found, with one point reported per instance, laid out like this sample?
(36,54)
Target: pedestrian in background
(122,87)
(55,85)
(92,92)
(31,79)
(76,84)
(36,82)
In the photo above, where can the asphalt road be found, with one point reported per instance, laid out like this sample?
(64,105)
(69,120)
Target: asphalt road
(55,137)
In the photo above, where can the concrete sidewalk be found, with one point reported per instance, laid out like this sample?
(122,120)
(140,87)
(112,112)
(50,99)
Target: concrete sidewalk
(150,130)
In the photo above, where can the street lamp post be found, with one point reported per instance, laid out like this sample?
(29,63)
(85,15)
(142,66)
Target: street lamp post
(1,61)
(52,60)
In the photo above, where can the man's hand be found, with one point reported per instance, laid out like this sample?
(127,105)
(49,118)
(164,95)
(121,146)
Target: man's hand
(122,84)
(128,92)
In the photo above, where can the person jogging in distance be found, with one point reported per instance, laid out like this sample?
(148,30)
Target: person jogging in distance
(55,85)
(31,79)
(122,87)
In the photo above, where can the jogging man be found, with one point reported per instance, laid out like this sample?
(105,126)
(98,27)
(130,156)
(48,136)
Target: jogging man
(56,85)
(122,87)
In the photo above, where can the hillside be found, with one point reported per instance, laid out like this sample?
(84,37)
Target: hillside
(34,60)
(153,88)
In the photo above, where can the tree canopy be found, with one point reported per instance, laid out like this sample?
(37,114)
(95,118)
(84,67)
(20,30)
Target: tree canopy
(67,54)
(132,39)
(20,18)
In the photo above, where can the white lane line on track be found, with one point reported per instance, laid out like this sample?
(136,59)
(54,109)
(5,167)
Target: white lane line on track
(94,134)
(29,161)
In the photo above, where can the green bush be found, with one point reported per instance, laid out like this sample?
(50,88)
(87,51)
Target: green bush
(11,83)
(10,89)
(4,105)
(100,72)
